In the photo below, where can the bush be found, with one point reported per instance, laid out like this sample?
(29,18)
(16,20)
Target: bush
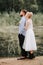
(9,19)
(9,45)
(14,18)
(38,19)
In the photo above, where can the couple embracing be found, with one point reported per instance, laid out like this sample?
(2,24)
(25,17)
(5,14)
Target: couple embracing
(26,36)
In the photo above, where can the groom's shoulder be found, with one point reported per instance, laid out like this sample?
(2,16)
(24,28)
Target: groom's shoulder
(23,18)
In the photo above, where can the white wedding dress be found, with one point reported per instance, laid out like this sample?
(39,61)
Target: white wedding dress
(29,42)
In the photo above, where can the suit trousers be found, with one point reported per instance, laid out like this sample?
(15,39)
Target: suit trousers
(21,41)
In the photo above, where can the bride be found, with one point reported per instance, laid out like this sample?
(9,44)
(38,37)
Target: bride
(29,42)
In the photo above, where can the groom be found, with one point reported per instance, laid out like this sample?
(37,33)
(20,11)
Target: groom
(22,33)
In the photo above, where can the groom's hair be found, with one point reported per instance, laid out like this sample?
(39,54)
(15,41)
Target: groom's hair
(23,10)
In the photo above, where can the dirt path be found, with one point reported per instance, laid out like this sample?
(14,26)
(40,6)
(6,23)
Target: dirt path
(14,61)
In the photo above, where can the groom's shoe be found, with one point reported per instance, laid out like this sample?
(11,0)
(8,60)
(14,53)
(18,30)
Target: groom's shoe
(21,58)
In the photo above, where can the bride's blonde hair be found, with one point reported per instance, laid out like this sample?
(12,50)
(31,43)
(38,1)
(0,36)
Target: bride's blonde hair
(29,14)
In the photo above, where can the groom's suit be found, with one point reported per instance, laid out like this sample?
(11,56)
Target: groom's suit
(21,35)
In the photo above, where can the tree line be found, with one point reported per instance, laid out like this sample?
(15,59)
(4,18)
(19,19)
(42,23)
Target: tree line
(31,5)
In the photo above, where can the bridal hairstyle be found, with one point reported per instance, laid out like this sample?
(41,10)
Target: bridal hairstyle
(29,14)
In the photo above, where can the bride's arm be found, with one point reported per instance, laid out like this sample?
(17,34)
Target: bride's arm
(26,25)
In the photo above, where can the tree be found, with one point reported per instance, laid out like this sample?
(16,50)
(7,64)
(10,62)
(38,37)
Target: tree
(17,5)
(40,5)
(30,5)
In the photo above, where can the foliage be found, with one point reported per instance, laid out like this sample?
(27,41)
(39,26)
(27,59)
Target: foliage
(40,5)
(38,19)
(9,19)
(31,5)
(13,18)
(9,45)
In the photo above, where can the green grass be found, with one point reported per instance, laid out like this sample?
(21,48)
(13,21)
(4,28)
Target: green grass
(9,19)
(9,44)
(14,18)
(38,19)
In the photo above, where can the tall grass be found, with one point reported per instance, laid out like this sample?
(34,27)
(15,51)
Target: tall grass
(9,45)
(38,19)
(9,19)
(13,19)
